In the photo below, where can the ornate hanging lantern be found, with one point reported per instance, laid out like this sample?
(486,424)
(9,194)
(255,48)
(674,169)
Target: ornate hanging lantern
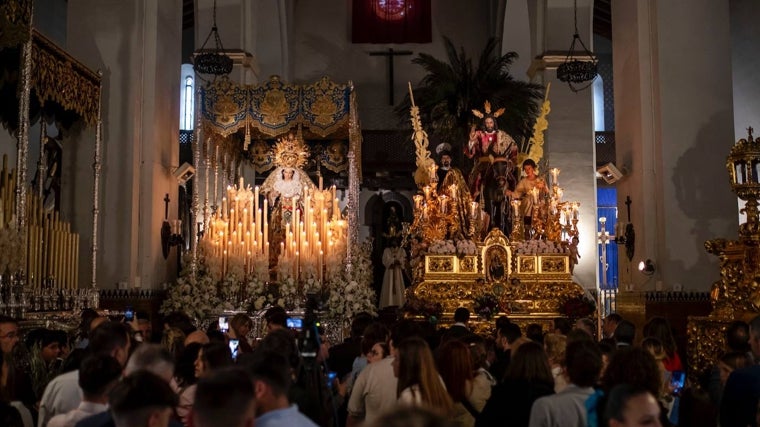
(575,71)
(213,61)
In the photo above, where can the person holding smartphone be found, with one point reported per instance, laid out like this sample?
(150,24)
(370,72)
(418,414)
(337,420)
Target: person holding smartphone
(240,327)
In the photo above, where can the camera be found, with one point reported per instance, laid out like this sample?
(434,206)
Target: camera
(308,340)
(129,314)
(224,324)
(234,346)
(295,323)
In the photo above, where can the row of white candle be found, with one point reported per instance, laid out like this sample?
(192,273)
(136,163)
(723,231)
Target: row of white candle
(241,229)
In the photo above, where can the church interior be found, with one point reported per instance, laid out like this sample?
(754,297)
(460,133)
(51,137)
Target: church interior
(529,159)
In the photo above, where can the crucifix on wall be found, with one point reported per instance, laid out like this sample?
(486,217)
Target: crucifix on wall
(390,54)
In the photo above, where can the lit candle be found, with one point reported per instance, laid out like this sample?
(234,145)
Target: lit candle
(442,200)
(426,190)
(555,174)
(417,201)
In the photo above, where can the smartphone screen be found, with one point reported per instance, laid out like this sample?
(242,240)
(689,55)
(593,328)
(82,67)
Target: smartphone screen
(677,380)
(331,378)
(224,325)
(129,314)
(294,323)
(234,346)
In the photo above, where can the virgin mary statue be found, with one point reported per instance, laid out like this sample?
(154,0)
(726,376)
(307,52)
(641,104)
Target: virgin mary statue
(286,187)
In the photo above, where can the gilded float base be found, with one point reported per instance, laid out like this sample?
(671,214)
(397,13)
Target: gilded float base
(527,286)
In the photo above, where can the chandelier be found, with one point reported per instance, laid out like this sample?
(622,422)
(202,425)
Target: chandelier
(213,61)
(573,71)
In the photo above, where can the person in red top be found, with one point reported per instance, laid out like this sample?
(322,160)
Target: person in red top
(659,327)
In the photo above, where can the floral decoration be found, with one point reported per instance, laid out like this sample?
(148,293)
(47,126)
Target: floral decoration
(442,247)
(351,293)
(486,306)
(419,307)
(466,247)
(538,247)
(577,307)
(347,293)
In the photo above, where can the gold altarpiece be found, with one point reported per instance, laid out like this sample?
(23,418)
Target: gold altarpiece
(736,295)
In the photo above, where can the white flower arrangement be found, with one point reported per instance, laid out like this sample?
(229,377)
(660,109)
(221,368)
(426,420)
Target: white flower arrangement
(442,247)
(347,293)
(541,247)
(351,293)
(466,247)
(197,298)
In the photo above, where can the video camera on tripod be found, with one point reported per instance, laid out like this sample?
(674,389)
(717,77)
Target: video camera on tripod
(308,338)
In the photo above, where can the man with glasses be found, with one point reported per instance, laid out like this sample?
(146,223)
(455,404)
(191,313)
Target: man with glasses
(14,383)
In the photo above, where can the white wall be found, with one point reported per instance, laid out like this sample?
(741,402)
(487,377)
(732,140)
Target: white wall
(674,127)
(137,45)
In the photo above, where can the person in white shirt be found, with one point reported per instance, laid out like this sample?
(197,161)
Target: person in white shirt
(98,374)
(376,389)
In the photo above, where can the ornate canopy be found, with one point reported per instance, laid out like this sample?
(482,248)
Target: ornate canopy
(275,107)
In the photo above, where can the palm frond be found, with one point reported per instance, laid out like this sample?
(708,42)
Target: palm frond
(450,90)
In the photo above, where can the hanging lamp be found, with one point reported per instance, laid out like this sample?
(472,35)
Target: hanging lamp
(213,61)
(577,73)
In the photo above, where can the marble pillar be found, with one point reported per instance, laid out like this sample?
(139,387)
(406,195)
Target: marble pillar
(137,45)
(674,128)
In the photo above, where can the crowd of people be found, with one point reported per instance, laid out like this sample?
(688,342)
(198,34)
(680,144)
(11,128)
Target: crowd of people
(118,373)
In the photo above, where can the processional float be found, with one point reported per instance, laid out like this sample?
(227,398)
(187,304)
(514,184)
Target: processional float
(40,269)
(526,275)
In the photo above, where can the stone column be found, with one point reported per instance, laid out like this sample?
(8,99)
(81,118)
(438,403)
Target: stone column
(570,138)
(674,128)
(137,44)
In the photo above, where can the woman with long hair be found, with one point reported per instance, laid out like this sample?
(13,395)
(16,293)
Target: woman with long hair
(455,366)
(659,327)
(528,377)
(240,325)
(185,380)
(418,381)
(555,345)
(636,367)
(210,357)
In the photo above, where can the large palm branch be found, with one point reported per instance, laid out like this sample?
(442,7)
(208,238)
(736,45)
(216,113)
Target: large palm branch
(450,90)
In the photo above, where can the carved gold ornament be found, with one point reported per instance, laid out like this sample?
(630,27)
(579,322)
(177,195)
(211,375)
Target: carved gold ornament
(58,77)
(487,111)
(262,156)
(15,19)
(290,151)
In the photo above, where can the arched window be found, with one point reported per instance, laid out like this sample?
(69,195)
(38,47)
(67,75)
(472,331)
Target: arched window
(598,91)
(187,98)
